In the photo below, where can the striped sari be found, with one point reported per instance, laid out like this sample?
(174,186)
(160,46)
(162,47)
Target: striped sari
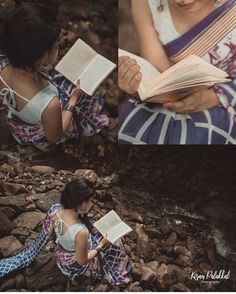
(214,40)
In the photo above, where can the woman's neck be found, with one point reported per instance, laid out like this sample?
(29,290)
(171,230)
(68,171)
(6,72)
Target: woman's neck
(26,75)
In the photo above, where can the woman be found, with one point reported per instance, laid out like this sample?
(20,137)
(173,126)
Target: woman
(169,31)
(78,250)
(40,108)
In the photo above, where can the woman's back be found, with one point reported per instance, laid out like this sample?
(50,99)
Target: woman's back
(26,100)
(66,229)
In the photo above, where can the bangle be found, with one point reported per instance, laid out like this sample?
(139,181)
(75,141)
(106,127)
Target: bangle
(98,249)
(69,107)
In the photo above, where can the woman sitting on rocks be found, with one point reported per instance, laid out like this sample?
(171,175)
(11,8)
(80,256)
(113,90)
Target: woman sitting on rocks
(40,108)
(78,250)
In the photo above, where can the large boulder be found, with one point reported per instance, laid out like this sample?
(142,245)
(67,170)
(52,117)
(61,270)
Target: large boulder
(12,188)
(10,245)
(18,202)
(29,220)
(43,274)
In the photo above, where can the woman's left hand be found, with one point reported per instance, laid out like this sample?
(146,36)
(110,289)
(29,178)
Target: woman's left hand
(196,102)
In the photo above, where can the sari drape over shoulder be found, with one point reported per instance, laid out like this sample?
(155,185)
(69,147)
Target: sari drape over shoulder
(213,39)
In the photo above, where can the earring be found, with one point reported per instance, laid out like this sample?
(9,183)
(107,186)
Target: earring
(160,6)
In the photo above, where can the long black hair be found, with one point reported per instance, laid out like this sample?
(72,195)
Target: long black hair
(27,33)
(74,194)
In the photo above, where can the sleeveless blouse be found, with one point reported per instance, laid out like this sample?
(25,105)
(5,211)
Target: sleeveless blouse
(67,240)
(163,22)
(31,113)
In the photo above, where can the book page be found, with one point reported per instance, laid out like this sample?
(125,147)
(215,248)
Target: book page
(112,227)
(94,74)
(149,72)
(189,72)
(117,232)
(107,222)
(76,60)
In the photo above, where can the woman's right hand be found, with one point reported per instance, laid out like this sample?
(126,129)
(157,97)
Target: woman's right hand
(75,94)
(103,242)
(129,75)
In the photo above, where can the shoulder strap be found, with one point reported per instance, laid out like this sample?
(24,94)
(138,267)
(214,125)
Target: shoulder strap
(10,90)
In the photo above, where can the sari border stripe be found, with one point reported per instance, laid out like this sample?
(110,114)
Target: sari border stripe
(178,45)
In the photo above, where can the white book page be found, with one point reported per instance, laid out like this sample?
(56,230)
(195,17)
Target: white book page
(112,227)
(107,222)
(76,60)
(94,74)
(117,232)
(149,72)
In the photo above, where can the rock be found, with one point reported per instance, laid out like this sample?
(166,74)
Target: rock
(165,227)
(171,239)
(137,271)
(29,220)
(142,237)
(185,256)
(40,276)
(160,273)
(178,273)
(48,199)
(6,225)
(153,265)
(20,234)
(8,211)
(182,250)
(17,202)
(134,217)
(6,168)
(135,287)
(179,287)
(9,245)
(148,275)
(20,281)
(101,288)
(41,169)
(89,175)
(12,189)
(7,284)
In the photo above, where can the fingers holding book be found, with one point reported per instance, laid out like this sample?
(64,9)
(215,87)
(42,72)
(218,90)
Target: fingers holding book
(76,93)
(195,102)
(129,75)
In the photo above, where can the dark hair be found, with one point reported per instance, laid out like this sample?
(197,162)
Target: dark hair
(75,193)
(27,33)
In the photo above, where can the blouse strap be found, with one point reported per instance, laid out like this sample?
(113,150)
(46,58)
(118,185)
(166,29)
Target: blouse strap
(10,90)
(59,224)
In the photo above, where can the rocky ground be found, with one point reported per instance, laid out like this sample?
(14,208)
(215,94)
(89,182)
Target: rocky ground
(182,219)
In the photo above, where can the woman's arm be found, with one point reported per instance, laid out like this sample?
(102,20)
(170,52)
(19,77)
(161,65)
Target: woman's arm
(83,256)
(56,121)
(149,43)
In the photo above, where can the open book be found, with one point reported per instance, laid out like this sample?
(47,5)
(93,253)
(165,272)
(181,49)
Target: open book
(84,63)
(112,227)
(191,72)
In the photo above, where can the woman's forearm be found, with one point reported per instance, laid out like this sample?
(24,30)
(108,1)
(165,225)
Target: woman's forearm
(68,114)
(92,254)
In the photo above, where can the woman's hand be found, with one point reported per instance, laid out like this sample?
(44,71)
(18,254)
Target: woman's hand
(129,75)
(195,102)
(75,94)
(103,243)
